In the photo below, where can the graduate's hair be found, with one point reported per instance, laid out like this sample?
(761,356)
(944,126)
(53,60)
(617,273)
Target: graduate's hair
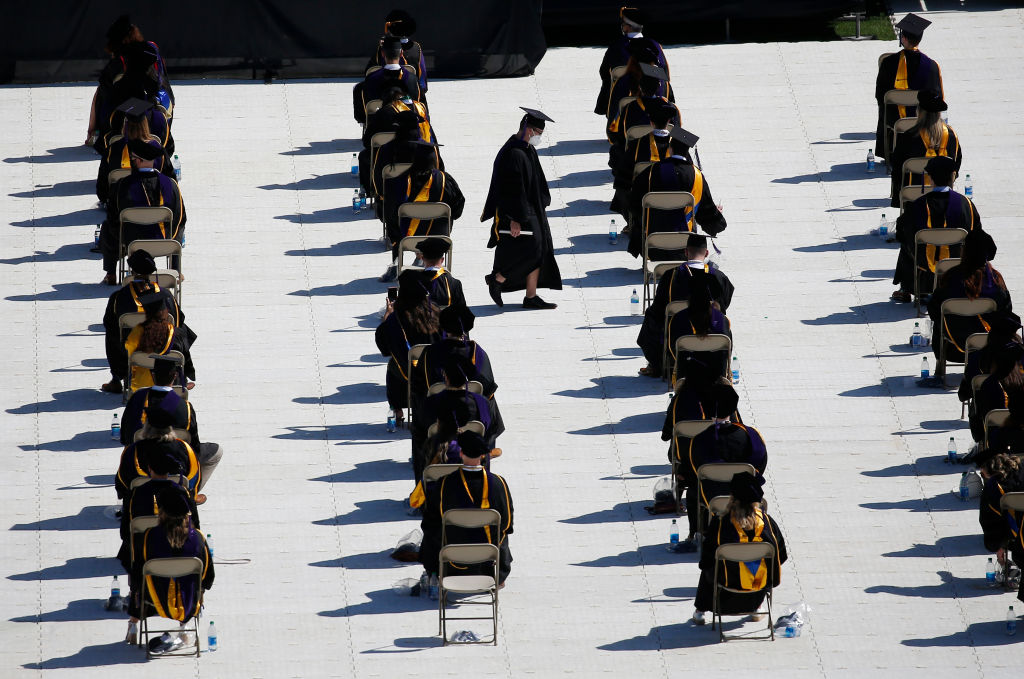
(633,69)
(154,330)
(743,512)
(699,309)
(930,122)
(422,317)
(158,433)
(177,529)
(134,35)
(912,39)
(1002,466)
(136,129)
(1013,380)
(974,280)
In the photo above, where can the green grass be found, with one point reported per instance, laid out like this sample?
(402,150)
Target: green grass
(878,26)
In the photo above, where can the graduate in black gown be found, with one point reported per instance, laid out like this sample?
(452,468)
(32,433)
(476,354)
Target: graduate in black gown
(656,146)
(744,521)
(941,207)
(675,173)
(636,112)
(631,24)
(1001,530)
(376,85)
(399,23)
(994,393)
(157,334)
(135,126)
(930,137)
(132,464)
(908,69)
(524,255)
(443,288)
(470,487)
(166,371)
(641,51)
(700,318)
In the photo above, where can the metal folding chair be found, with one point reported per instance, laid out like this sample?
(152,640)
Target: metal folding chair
(469,554)
(957,306)
(172,567)
(683,432)
(740,552)
(938,238)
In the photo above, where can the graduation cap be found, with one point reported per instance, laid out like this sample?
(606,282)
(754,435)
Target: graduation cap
(979,248)
(697,241)
(456,372)
(173,501)
(535,118)
(164,366)
(406,120)
(433,248)
(940,169)
(161,457)
(135,108)
(144,149)
(457,319)
(399,22)
(120,29)
(684,137)
(746,488)
(410,287)
(632,16)
(159,417)
(652,71)
(1004,322)
(724,397)
(643,50)
(141,262)
(913,24)
(659,110)
(153,301)
(931,100)
(472,444)
(391,43)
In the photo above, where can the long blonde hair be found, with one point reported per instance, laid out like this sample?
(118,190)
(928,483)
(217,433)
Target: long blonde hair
(177,529)
(136,129)
(743,513)
(931,123)
(158,433)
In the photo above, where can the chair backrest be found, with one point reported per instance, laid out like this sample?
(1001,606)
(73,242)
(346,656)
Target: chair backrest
(373,106)
(145,216)
(881,57)
(996,418)
(976,383)
(616,72)
(901,97)
(434,472)
(640,167)
(718,504)
(904,125)
(157,247)
(975,341)
(666,240)
(130,320)
(638,131)
(475,426)
(140,524)
(706,343)
(624,102)
(143,359)
(745,551)
(436,388)
(908,194)
(395,170)
(661,268)
(944,265)
(410,69)
(1012,501)
(942,237)
(471,518)
(373,69)
(173,567)
(469,554)
(914,165)
(117,175)
(690,428)
(667,200)
(673,308)
(415,351)
(143,480)
(424,210)
(183,435)
(723,471)
(962,306)
(381,138)
(475,387)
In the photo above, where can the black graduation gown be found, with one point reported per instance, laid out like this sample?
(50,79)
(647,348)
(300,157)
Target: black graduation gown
(442,188)
(142,502)
(443,288)
(960,327)
(990,396)
(680,326)
(394,340)
(922,74)
(672,174)
(159,127)
(182,602)
(675,287)
(464,490)
(911,145)
(452,408)
(131,467)
(933,210)
(116,157)
(723,531)
(141,189)
(135,413)
(1000,528)
(731,442)
(412,53)
(177,339)
(651,148)
(383,121)
(519,192)
(627,86)
(377,84)
(617,54)
(126,300)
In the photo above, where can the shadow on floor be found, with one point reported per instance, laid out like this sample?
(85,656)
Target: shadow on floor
(991,633)
(369,511)
(87,518)
(619,354)
(589,243)
(92,481)
(380,559)
(348,394)
(860,241)
(945,502)
(65,253)
(952,545)
(65,292)
(408,645)
(645,423)
(573,147)
(586,207)
(322,147)
(583,178)
(641,471)
(79,443)
(81,187)
(77,611)
(88,217)
(608,278)
(359,286)
(343,180)
(62,154)
(115,653)
(838,173)
(849,138)
(620,513)
(370,472)
(71,401)
(355,434)
(614,386)
(383,601)
(883,311)
(79,568)
(648,555)
(665,637)
(862,205)
(951,587)
(365,246)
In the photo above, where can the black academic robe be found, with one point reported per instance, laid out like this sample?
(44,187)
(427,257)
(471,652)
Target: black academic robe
(922,74)
(175,598)
(616,55)
(181,410)
(732,442)
(634,113)
(627,86)
(436,186)
(672,174)
(176,339)
(934,210)
(142,502)
(674,286)
(384,121)
(443,288)
(451,409)
(159,127)
(990,396)
(124,301)
(394,339)
(116,157)
(412,53)
(141,189)
(649,149)
(723,531)
(913,144)
(519,192)
(1003,529)
(959,328)
(377,84)
(681,325)
(131,467)
(467,489)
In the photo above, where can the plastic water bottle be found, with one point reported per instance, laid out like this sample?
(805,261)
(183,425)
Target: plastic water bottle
(176,164)
(673,536)
(362,198)
(917,339)
(433,586)
(951,451)
(968,187)
(355,165)
(613,233)
(871,160)
(735,370)
(925,372)
(425,584)
(883,228)
(115,428)
(115,587)
(211,637)
(1011,622)
(990,573)
(634,304)
(392,421)
(96,236)
(355,201)
(209,545)
(965,491)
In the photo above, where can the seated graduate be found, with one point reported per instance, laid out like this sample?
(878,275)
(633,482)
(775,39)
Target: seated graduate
(409,320)
(157,429)
(675,286)
(161,462)
(657,145)
(942,207)
(700,318)
(973,277)
(135,126)
(158,335)
(1009,438)
(641,51)
(177,599)
(472,486)
(1003,473)
(144,187)
(443,288)
(1006,377)
(693,398)
(929,137)
(399,23)
(908,69)
(128,299)
(398,111)
(631,25)
(636,112)
(725,441)
(745,520)
(675,173)
(1004,331)
(376,85)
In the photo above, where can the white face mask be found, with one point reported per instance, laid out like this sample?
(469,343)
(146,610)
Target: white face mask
(535,140)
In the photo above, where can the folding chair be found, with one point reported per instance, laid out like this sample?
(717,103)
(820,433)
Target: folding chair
(668,201)
(719,505)
(473,386)
(475,426)
(941,267)
(623,103)
(172,567)
(410,69)
(661,240)
(116,175)
(638,132)
(468,554)
(171,250)
(882,57)
(138,216)
(957,306)
(409,243)
(739,552)
(423,211)
(937,238)
(378,140)
(1011,502)
(721,472)
(372,107)
(616,72)
(178,434)
(976,383)
(640,167)
(372,69)
(415,351)
(390,171)
(671,309)
(895,98)
(975,342)
(140,524)
(143,360)
(697,344)
(683,429)
(439,471)
(912,191)
(994,419)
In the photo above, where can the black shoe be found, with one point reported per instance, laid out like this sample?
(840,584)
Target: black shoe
(389,275)
(494,288)
(536,302)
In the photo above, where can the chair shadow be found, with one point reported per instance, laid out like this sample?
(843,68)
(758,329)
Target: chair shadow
(334,215)
(589,243)
(883,311)
(621,512)
(82,610)
(78,568)
(364,361)
(647,555)
(583,178)
(929,426)
(63,154)
(951,587)
(348,394)
(951,545)
(87,365)
(64,292)
(355,434)
(369,511)
(848,138)
(365,246)
(667,637)
(990,633)
(79,443)
(82,187)
(945,502)
(613,386)
(336,180)
(640,471)
(87,518)
(838,173)
(71,401)
(323,147)
(93,330)
(383,602)
(858,241)
(572,147)
(611,277)
(92,481)
(644,423)
(586,207)
(358,286)
(65,253)
(115,653)
(618,354)
(88,217)
(381,559)
(369,472)
(862,205)
(408,645)
(890,386)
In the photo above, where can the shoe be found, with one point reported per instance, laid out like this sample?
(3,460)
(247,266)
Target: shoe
(758,617)
(687,546)
(109,280)
(536,302)
(901,296)
(112,387)
(649,371)
(698,617)
(494,289)
(389,275)
(200,499)
(165,643)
